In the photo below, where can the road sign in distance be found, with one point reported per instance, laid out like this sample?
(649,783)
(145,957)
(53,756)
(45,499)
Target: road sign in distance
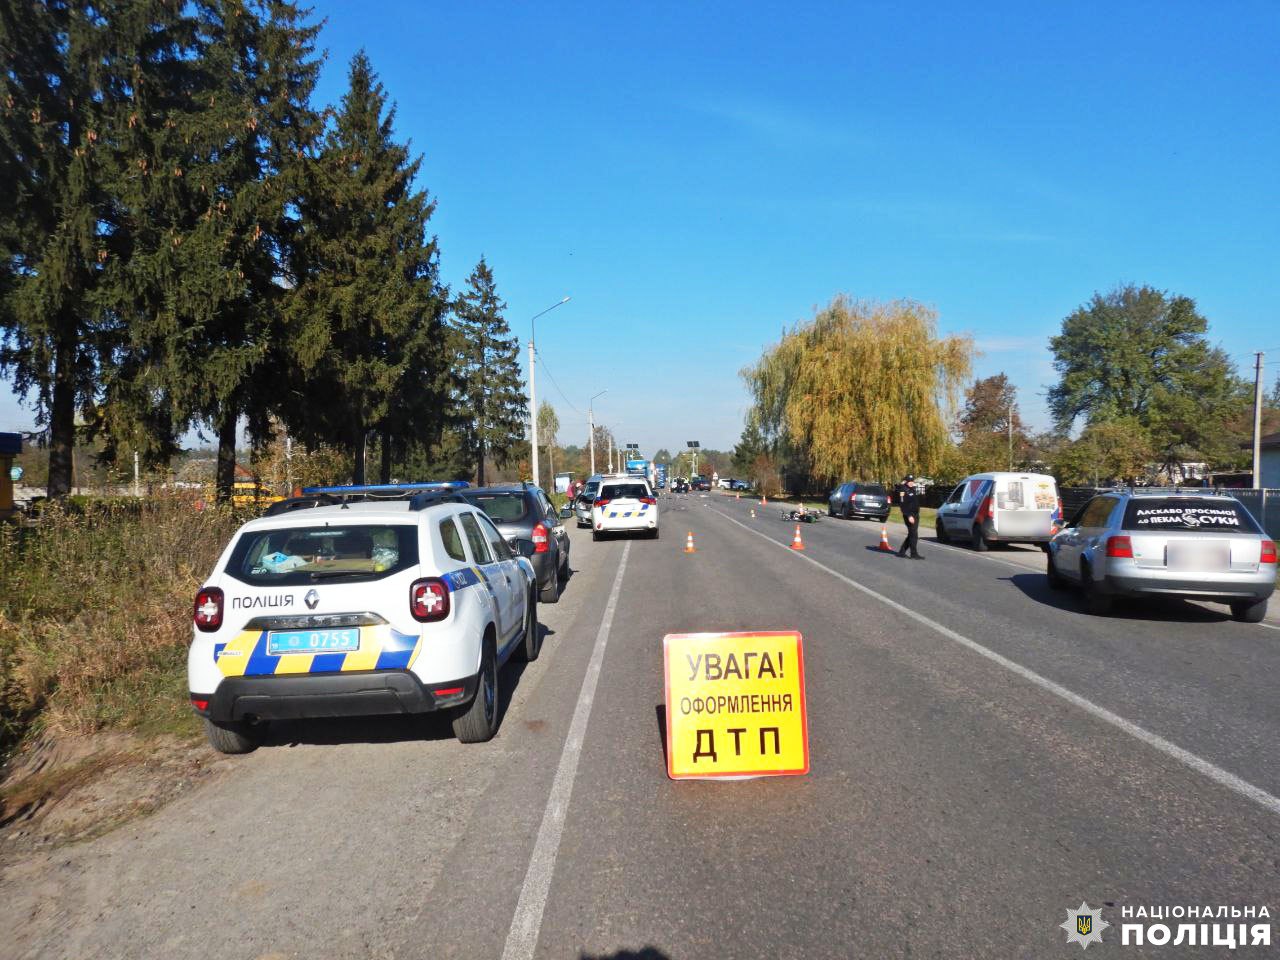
(735,705)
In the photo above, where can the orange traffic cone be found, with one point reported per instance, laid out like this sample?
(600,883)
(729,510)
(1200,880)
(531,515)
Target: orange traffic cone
(884,539)
(737,496)
(764,501)
(688,544)
(796,542)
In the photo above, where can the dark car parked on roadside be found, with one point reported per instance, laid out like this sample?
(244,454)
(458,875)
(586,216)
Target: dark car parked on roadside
(858,499)
(523,512)
(700,482)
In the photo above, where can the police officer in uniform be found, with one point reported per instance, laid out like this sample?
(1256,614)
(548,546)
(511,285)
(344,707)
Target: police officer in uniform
(909,503)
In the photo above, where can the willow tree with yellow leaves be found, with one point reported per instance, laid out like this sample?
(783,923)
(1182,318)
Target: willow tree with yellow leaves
(864,389)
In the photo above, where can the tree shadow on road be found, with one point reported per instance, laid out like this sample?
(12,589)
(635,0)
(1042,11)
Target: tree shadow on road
(393,728)
(644,953)
(1153,610)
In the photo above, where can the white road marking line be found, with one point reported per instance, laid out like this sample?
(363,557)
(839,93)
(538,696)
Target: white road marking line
(1215,773)
(526,924)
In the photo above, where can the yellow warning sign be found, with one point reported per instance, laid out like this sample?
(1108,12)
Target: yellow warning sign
(735,705)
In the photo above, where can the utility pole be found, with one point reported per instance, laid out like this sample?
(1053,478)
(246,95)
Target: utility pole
(533,400)
(591,423)
(1257,421)
(1010,437)
(137,489)
(288,465)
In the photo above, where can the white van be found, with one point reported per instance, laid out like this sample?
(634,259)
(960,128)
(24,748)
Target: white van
(989,508)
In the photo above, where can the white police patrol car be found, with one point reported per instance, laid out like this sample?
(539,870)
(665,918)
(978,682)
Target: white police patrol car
(624,504)
(350,601)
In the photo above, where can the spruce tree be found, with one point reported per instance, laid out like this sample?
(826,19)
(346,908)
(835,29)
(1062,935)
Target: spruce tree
(66,102)
(365,302)
(489,411)
(210,225)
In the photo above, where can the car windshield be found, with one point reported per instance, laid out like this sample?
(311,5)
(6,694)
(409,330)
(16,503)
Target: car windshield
(292,556)
(619,491)
(1216,515)
(502,507)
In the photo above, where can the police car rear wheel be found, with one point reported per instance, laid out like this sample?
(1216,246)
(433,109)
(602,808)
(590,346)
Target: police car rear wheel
(478,720)
(532,645)
(940,532)
(234,737)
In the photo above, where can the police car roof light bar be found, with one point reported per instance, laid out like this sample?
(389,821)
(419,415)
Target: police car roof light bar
(373,489)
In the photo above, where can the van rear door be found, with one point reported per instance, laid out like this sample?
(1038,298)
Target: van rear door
(1025,506)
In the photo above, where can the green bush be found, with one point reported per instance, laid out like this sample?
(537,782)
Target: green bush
(95,613)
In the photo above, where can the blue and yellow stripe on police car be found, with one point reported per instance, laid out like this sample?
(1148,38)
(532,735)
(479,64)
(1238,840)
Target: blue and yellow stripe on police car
(643,508)
(382,647)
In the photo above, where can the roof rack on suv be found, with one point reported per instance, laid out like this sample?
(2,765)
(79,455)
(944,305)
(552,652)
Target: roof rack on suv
(419,495)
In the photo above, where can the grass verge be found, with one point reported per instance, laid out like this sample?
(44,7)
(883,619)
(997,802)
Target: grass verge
(95,616)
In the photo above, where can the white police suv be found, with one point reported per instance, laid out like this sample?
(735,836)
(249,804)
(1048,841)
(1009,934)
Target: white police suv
(624,504)
(350,601)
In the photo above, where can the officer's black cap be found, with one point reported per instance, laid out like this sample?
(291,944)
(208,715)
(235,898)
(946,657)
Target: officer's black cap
(908,478)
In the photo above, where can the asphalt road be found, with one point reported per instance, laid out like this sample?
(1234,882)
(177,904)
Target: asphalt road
(984,756)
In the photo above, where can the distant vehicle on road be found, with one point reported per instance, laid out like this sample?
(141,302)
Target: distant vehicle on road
(523,512)
(699,482)
(988,508)
(351,601)
(739,485)
(1174,544)
(859,499)
(624,505)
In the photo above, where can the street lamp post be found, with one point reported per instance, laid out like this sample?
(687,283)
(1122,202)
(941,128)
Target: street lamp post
(533,401)
(591,425)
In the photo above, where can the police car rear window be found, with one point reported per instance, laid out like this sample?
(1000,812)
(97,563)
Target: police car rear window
(1188,513)
(293,556)
(502,507)
(617,491)
(871,489)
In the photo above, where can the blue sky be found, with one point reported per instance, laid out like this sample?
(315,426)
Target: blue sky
(697,176)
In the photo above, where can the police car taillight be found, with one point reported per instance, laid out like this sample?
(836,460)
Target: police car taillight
(601,503)
(208,614)
(649,500)
(987,511)
(429,600)
(539,538)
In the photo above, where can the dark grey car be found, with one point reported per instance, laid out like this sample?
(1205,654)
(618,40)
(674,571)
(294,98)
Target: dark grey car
(524,513)
(858,499)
